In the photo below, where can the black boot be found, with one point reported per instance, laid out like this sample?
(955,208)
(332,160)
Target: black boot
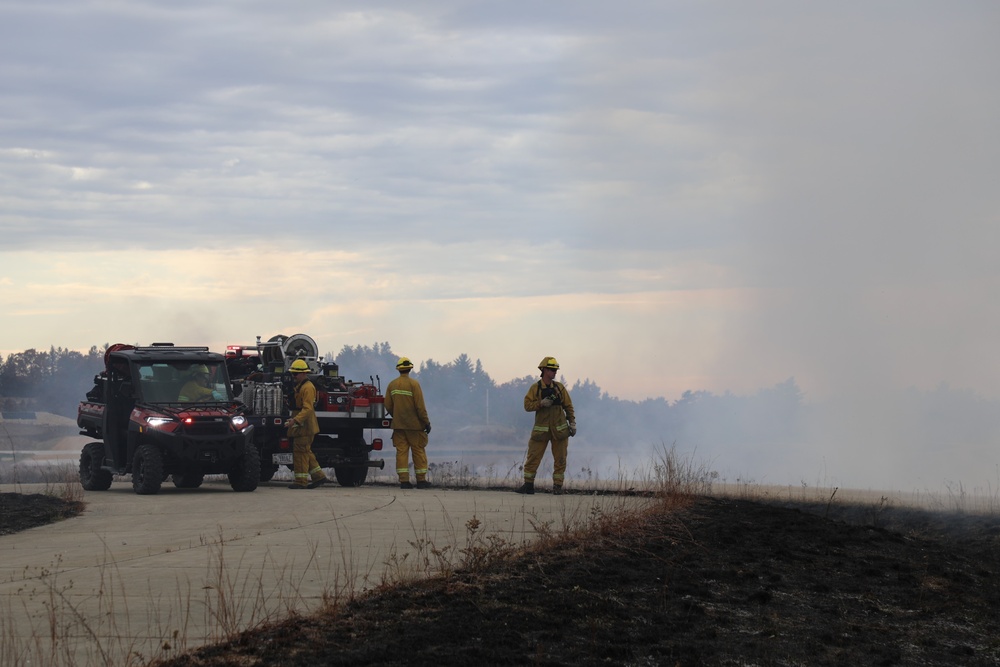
(526,488)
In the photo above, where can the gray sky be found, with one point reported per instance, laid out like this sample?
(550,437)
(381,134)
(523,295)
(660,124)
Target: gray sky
(711,195)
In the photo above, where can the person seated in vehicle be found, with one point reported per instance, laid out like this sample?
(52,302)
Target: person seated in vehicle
(198,387)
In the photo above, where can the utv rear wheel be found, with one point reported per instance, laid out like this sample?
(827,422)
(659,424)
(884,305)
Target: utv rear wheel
(189,479)
(351,476)
(147,470)
(92,477)
(245,473)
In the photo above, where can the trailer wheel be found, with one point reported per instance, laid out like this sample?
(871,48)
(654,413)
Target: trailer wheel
(267,472)
(245,473)
(351,476)
(92,477)
(189,479)
(147,470)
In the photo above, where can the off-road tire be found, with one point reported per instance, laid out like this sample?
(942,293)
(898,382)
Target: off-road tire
(147,470)
(189,479)
(267,472)
(92,477)
(245,473)
(351,476)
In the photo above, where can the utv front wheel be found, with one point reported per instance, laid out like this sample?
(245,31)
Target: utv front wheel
(147,470)
(92,476)
(245,473)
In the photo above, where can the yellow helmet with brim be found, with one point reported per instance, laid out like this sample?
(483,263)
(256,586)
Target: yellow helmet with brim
(548,363)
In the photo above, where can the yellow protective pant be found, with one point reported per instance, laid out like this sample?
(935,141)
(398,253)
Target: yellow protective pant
(410,441)
(304,461)
(536,450)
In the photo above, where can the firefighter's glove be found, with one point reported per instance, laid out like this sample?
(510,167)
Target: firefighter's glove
(572,429)
(427,429)
(546,402)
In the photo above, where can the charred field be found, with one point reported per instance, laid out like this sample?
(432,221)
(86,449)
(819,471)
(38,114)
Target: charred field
(694,581)
(23,511)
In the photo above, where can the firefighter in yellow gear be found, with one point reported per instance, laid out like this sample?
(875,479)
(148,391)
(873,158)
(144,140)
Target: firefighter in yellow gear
(198,387)
(302,429)
(404,400)
(555,421)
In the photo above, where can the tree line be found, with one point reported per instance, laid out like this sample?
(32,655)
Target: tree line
(761,433)
(53,381)
(466,404)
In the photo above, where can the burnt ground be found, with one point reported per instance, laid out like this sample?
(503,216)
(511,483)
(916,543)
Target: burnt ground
(718,582)
(23,511)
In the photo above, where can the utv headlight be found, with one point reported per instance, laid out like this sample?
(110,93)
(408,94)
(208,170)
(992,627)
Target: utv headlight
(157,422)
(239,421)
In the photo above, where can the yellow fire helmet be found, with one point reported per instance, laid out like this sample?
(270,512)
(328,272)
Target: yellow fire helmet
(404,364)
(548,362)
(299,366)
(199,369)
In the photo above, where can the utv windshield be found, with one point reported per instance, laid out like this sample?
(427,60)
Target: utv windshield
(183,382)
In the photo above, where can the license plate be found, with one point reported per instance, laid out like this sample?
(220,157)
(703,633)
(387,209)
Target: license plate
(281,459)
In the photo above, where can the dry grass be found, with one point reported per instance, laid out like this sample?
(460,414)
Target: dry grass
(953,499)
(237,596)
(60,480)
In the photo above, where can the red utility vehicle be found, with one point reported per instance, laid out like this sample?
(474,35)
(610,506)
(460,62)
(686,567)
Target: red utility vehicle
(145,425)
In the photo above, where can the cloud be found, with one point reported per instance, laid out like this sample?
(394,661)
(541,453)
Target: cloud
(751,193)
(347,121)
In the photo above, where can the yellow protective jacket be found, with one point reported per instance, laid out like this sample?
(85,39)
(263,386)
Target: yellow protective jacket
(404,400)
(552,421)
(305,410)
(192,392)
